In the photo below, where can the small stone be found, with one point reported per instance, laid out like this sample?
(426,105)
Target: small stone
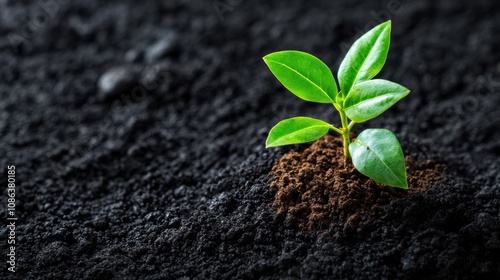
(174,222)
(133,55)
(80,26)
(180,192)
(153,216)
(115,81)
(161,48)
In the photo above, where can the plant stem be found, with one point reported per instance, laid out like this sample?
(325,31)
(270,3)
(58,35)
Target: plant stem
(346,129)
(351,124)
(339,131)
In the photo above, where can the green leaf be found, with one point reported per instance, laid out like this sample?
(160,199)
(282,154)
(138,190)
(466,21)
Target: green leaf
(296,130)
(377,154)
(366,57)
(371,98)
(304,75)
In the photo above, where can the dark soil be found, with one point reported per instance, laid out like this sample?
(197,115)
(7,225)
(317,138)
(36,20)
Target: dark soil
(318,189)
(137,129)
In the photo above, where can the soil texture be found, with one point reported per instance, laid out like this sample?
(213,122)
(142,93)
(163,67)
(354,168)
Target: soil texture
(318,189)
(137,132)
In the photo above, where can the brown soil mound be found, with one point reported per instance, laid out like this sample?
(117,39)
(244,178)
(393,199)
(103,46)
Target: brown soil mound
(318,190)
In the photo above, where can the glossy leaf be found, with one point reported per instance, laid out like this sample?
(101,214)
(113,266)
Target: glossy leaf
(365,58)
(304,75)
(377,154)
(296,130)
(369,99)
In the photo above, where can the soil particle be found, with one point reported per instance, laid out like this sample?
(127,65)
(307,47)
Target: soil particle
(318,189)
(114,81)
(162,47)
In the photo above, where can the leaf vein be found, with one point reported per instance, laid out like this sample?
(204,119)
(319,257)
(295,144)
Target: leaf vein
(309,80)
(380,158)
(364,59)
(370,99)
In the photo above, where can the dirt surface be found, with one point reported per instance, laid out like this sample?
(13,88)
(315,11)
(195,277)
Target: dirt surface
(137,132)
(318,189)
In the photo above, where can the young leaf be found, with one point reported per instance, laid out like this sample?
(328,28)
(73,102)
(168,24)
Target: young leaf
(365,58)
(377,154)
(296,130)
(371,98)
(304,75)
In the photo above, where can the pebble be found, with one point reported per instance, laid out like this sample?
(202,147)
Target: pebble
(115,81)
(161,47)
(174,222)
(133,55)
(180,192)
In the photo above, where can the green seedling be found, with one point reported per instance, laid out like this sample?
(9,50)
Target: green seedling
(375,153)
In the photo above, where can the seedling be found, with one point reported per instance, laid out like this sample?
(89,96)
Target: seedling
(376,153)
